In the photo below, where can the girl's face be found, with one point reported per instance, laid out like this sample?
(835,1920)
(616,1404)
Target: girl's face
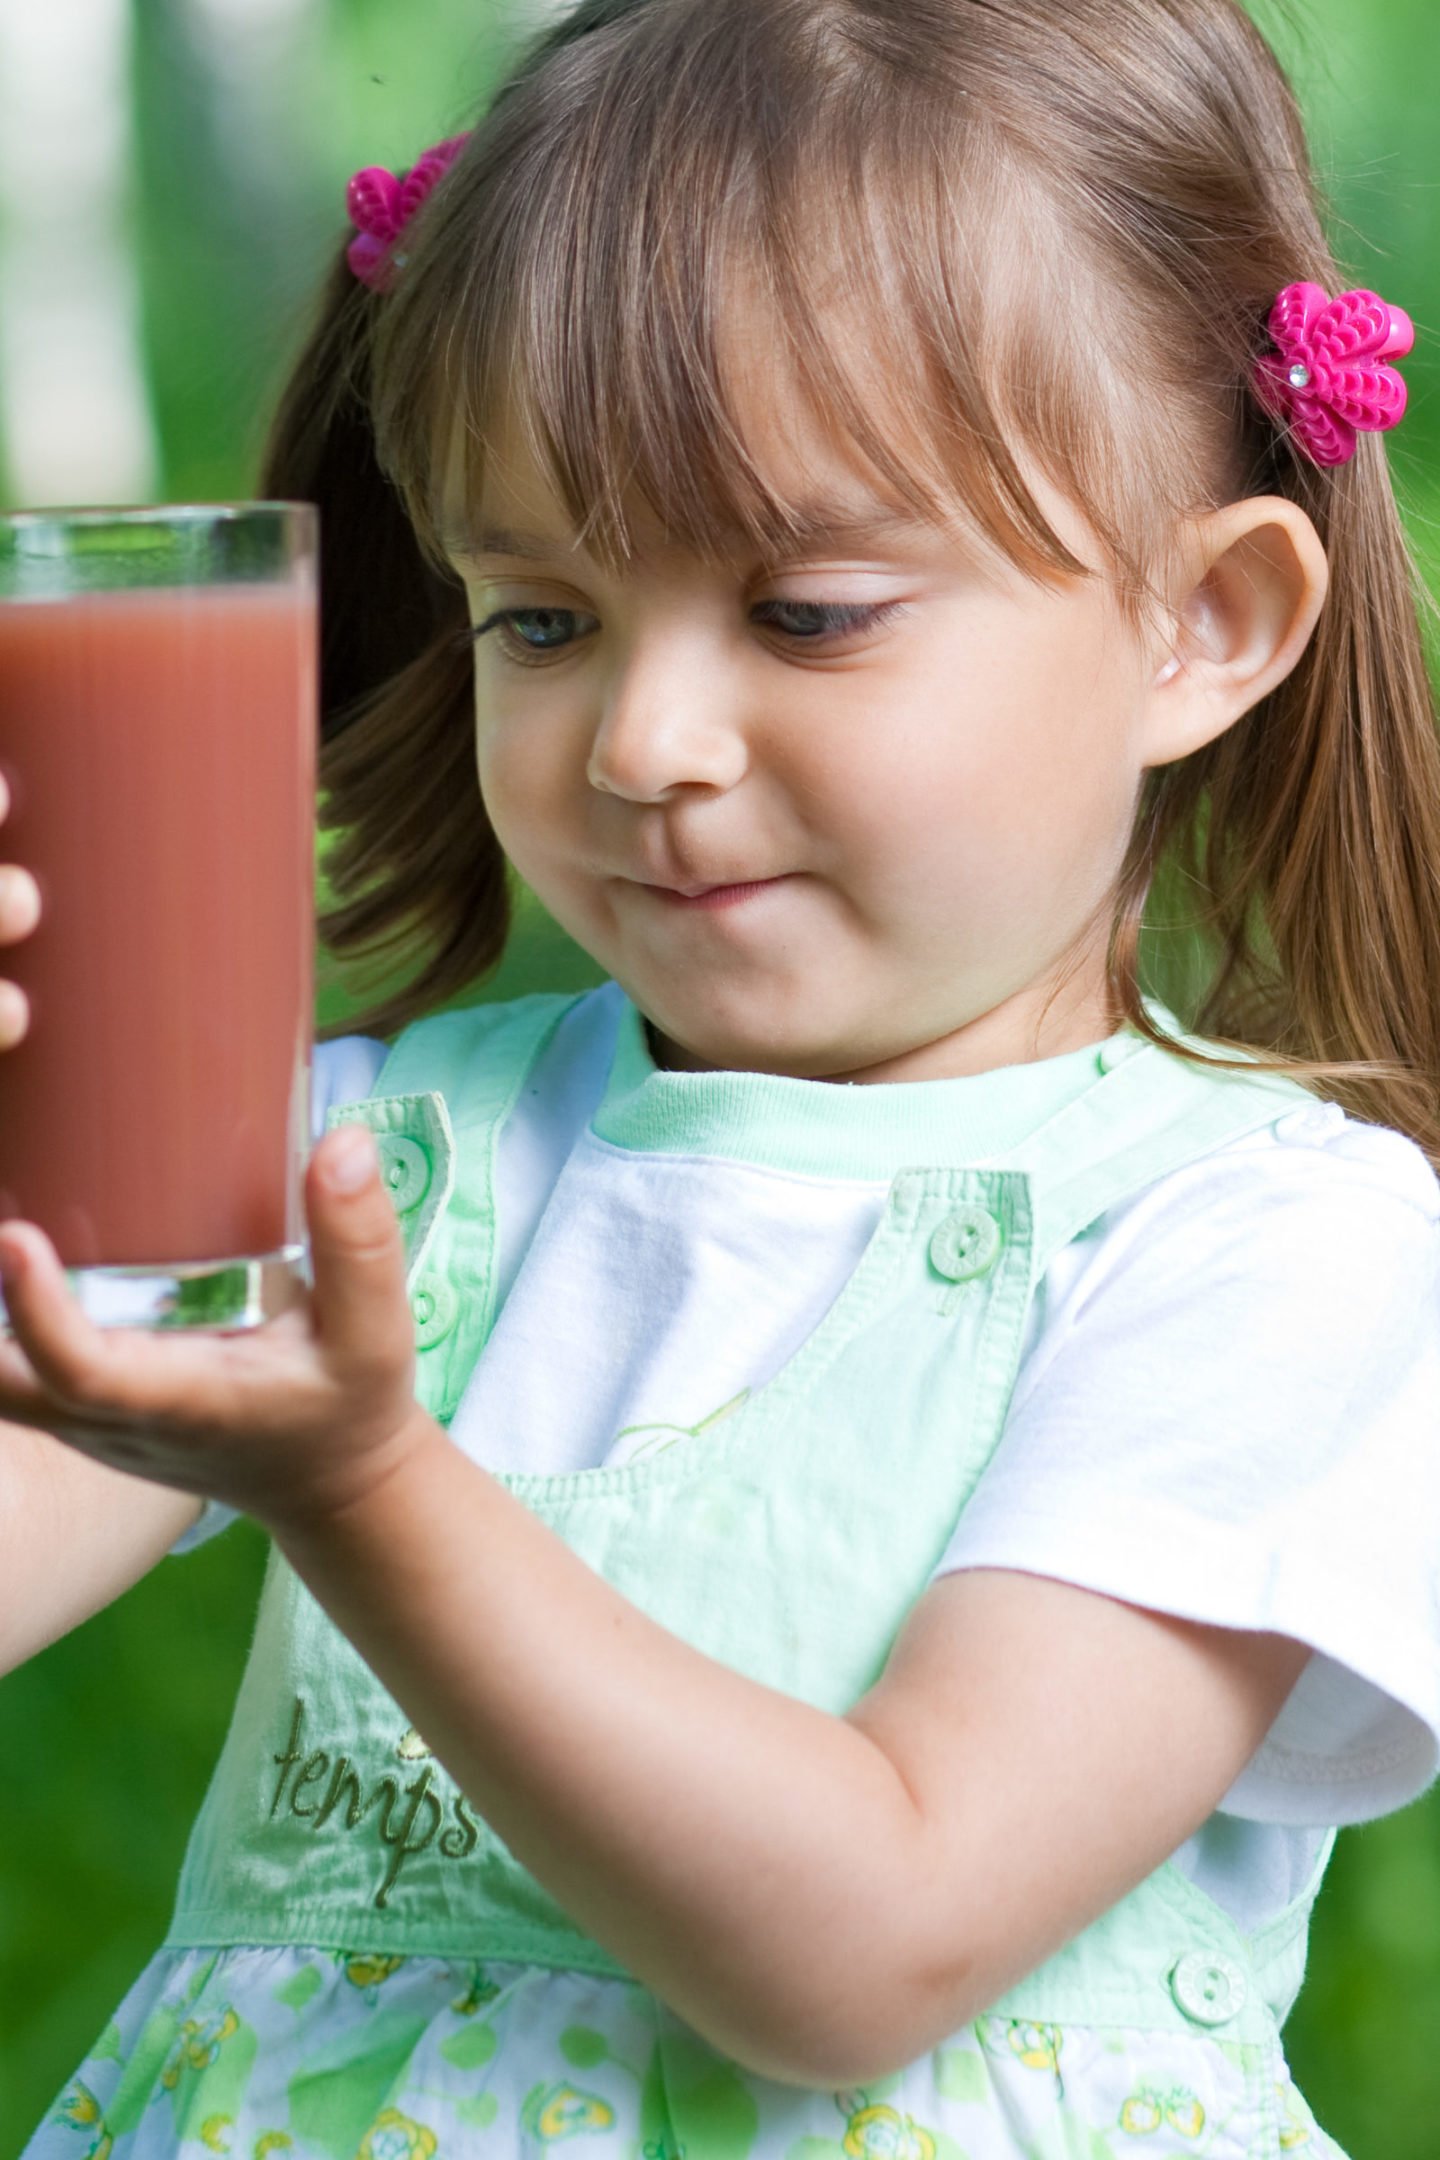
(855,815)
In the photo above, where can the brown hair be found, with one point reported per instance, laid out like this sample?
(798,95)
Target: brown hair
(1141,167)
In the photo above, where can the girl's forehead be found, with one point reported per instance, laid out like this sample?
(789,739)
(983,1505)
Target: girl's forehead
(756,438)
(751,396)
(501,498)
(511,509)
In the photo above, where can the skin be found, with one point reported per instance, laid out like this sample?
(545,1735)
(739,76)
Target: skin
(948,797)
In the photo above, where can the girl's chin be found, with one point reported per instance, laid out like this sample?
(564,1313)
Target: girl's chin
(703,1047)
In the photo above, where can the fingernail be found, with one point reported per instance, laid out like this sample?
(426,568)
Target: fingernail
(352,1159)
(12,1265)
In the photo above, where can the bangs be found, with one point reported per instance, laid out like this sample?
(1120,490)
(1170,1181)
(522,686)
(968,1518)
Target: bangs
(694,209)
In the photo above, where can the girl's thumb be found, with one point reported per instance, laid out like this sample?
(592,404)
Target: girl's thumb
(357,1252)
(350,1159)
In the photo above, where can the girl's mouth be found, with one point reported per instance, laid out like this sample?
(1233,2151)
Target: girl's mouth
(714,897)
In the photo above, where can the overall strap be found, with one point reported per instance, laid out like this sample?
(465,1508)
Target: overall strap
(451,1074)
(1151,1113)
(475,1057)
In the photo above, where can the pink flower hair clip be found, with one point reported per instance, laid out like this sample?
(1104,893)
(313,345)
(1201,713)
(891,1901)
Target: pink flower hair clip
(1328,378)
(380,206)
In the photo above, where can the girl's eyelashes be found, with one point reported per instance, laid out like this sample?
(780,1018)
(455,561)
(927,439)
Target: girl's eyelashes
(810,620)
(531,635)
(528,634)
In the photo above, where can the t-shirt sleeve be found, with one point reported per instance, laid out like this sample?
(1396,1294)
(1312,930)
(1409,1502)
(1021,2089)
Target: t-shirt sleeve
(1232,1415)
(343,1071)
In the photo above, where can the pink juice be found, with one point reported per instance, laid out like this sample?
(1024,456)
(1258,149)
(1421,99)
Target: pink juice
(159,746)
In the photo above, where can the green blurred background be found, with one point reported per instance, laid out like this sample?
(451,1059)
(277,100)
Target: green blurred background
(171,184)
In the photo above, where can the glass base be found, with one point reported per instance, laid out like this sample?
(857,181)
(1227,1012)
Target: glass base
(222,1296)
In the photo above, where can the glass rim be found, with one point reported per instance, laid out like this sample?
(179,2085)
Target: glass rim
(156,513)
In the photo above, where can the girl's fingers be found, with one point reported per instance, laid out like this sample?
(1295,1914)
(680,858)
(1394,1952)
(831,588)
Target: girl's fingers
(112,1375)
(72,1360)
(19,903)
(22,1399)
(19,914)
(14,1015)
(68,1376)
(357,1253)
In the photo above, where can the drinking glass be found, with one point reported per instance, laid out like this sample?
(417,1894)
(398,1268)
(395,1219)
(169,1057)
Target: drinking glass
(158,719)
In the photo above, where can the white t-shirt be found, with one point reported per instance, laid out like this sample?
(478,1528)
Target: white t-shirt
(1227,1409)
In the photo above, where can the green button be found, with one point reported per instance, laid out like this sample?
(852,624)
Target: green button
(405,1166)
(1209,1988)
(967,1244)
(435,1307)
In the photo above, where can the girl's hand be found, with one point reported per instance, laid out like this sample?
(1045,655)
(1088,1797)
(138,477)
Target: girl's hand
(19,913)
(290,1423)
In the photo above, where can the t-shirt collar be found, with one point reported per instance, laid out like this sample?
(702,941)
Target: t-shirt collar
(825,1128)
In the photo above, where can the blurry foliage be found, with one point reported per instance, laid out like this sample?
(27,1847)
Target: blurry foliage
(241,183)
(108,1738)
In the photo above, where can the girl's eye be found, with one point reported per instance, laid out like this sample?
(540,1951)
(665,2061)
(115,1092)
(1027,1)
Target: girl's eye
(809,621)
(531,633)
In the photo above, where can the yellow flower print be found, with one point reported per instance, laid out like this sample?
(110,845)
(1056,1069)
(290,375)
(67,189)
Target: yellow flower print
(78,2107)
(392,2136)
(479,1992)
(1145,2111)
(365,1971)
(272,2141)
(878,2133)
(81,2110)
(199,2044)
(1037,2046)
(215,2132)
(560,2111)
(661,1437)
(1184,2113)
(413,1747)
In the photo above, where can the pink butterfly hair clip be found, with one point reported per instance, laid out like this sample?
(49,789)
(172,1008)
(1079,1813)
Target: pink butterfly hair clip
(1328,379)
(380,206)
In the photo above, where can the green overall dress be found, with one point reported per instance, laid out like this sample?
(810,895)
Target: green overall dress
(790,1543)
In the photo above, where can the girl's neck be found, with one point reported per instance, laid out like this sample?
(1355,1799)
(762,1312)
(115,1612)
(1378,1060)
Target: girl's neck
(965,1055)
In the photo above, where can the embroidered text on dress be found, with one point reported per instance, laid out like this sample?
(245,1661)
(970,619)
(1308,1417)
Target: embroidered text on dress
(408,1818)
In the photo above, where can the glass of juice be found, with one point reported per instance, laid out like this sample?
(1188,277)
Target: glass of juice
(158,719)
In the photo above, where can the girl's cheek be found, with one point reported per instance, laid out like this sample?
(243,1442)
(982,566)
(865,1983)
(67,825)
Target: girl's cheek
(529,790)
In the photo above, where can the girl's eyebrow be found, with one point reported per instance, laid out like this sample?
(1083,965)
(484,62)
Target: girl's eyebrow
(825,522)
(821,522)
(505,540)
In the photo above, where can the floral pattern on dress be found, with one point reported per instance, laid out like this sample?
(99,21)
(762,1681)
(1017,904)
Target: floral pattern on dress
(293,2054)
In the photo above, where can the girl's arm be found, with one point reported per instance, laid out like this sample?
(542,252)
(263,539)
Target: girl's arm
(74,1534)
(823,1898)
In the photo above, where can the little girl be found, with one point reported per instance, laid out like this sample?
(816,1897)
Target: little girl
(851,1508)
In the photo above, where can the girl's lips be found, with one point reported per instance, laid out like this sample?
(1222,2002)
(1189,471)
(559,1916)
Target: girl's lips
(718,896)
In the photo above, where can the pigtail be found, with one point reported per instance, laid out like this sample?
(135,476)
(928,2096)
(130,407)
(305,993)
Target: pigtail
(1344,834)
(419,879)
(418,876)
(1282,888)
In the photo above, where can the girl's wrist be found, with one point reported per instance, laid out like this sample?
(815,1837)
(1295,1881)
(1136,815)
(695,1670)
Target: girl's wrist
(351,1505)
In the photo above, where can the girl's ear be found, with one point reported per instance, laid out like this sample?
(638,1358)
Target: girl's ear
(1251,583)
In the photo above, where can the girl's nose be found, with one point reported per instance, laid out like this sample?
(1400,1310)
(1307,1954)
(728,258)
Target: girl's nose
(668,724)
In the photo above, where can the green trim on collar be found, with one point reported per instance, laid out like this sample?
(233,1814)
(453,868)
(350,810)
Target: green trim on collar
(837,1129)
